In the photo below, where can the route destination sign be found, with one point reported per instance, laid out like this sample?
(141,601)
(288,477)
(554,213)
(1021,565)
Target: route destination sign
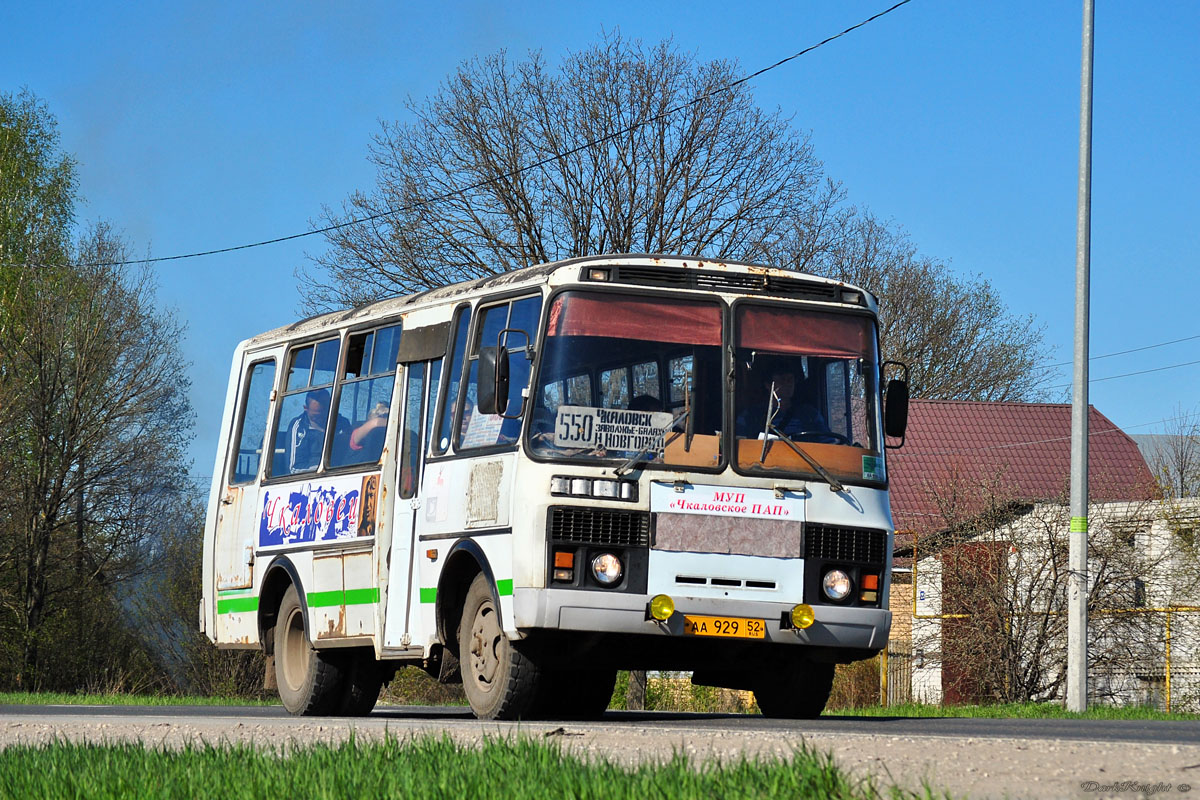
(610,428)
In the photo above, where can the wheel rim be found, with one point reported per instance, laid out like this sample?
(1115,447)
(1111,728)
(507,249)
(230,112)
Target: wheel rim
(295,651)
(484,647)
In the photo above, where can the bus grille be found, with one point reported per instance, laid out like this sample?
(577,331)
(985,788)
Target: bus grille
(752,283)
(599,526)
(832,543)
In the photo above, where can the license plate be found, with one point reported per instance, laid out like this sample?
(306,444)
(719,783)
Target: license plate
(734,627)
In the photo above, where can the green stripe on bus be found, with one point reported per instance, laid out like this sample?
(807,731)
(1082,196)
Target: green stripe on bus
(428,595)
(235,605)
(351,597)
(358,597)
(323,599)
(234,592)
(504,587)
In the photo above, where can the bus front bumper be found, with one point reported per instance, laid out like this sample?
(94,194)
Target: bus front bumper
(599,612)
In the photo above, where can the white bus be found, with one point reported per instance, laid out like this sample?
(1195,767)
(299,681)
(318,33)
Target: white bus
(529,481)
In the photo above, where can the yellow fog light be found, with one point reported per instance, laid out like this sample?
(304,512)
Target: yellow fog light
(662,607)
(803,616)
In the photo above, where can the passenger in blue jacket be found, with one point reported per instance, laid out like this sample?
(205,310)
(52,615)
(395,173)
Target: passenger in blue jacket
(306,433)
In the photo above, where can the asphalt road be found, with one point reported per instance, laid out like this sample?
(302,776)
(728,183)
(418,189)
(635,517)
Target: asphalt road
(398,717)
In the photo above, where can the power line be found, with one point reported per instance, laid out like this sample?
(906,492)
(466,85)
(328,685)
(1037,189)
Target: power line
(1124,352)
(480,184)
(1130,374)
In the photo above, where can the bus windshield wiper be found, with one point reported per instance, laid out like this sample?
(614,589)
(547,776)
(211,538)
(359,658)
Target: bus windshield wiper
(637,457)
(769,428)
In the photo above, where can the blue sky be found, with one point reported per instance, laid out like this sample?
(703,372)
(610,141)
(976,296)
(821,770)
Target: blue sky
(204,125)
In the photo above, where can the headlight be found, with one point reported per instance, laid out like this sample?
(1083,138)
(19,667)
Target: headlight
(607,569)
(836,585)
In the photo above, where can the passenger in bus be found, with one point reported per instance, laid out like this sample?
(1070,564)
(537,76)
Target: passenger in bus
(306,433)
(366,441)
(798,412)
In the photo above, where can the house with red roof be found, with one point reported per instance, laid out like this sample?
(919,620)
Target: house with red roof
(979,501)
(958,453)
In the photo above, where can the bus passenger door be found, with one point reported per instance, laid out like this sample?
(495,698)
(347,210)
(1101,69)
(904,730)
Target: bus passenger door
(237,516)
(408,473)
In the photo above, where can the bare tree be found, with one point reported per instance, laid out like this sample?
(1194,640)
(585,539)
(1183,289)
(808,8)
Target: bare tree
(999,568)
(513,164)
(95,421)
(1174,456)
(626,148)
(955,332)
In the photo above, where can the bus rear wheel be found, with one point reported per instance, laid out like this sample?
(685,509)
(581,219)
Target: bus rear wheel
(500,680)
(362,681)
(310,682)
(798,691)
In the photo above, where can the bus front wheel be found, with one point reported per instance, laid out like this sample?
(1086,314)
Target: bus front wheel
(310,682)
(799,691)
(500,680)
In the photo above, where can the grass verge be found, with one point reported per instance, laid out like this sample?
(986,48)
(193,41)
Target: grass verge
(421,768)
(67,699)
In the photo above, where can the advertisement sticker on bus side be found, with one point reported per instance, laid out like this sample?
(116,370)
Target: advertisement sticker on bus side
(324,510)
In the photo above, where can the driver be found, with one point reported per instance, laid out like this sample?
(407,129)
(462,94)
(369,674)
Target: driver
(797,410)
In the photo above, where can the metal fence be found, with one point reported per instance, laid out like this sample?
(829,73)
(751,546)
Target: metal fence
(895,673)
(1161,680)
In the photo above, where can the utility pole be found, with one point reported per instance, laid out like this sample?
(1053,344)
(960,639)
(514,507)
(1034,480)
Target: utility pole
(1077,621)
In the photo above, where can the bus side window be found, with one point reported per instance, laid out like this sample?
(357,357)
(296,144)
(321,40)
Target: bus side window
(410,447)
(255,407)
(680,372)
(365,397)
(646,383)
(489,430)
(304,409)
(614,388)
(441,442)
(579,390)
(435,380)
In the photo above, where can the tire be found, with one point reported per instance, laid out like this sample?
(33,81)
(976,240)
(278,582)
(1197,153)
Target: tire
(576,694)
(310,682)
(362,682)
(500,681)
(798,691)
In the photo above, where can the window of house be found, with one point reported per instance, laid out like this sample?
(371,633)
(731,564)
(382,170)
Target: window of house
(1186,537)
(304,408)
(260,382)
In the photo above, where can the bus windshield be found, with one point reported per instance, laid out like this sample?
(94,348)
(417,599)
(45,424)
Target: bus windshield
(639,380)
(810,378)
(627,376)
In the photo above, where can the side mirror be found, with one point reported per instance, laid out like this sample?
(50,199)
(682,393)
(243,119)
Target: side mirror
(493,380)
(895,410)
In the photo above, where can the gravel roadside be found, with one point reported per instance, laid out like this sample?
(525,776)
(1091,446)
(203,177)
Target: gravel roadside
(976,767)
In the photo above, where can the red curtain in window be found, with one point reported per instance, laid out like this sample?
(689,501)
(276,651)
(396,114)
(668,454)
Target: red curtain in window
(655,320)
(812,333)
